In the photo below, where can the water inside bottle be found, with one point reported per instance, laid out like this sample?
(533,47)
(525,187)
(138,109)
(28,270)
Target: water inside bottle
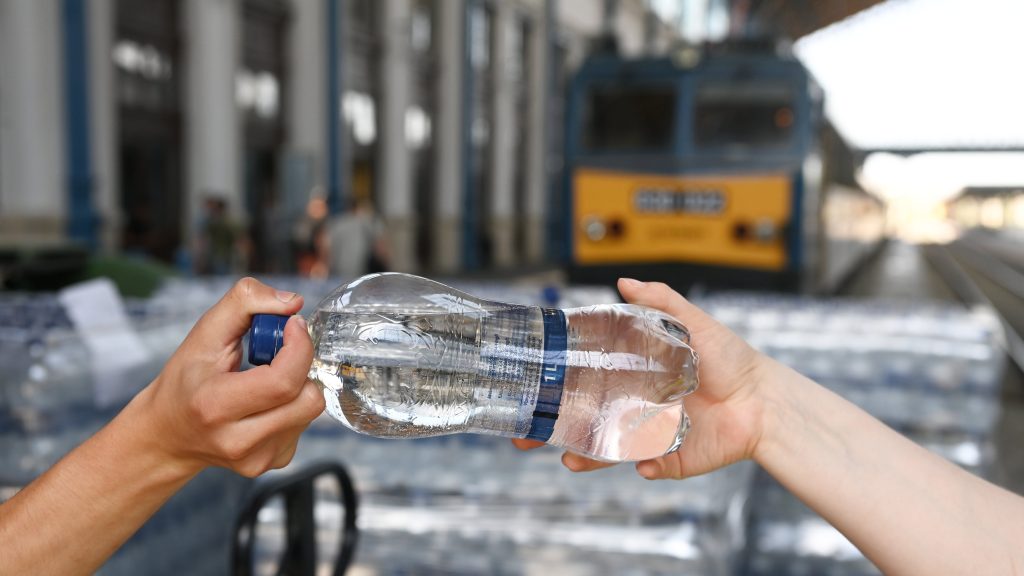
(402,375)
(628,369)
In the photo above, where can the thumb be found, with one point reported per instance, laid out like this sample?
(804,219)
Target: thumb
(659,296)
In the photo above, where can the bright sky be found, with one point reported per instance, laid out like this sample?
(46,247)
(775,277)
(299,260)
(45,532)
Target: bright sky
(920,73)
(700,19)
(927,73)
(915,74)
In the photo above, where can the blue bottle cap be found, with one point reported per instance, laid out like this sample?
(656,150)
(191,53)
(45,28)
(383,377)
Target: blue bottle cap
(551,295)
(266,336)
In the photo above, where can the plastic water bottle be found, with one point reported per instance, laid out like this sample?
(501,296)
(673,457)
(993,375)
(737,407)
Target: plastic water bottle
(399,356)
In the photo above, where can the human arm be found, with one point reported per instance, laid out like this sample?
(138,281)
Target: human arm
(908,510)
(199,412)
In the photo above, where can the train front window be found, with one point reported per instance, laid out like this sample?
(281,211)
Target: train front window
(743,115)
(629,118)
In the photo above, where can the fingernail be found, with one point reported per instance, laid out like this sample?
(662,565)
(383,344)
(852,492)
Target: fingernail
(632,283)
(300,321)
(284,296)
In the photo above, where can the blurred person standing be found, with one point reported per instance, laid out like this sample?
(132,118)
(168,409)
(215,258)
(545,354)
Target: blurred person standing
(308,240)
(271,241)
(356,242)
(221,247)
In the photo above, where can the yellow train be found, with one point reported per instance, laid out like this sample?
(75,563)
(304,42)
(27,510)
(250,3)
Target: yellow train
(705,168)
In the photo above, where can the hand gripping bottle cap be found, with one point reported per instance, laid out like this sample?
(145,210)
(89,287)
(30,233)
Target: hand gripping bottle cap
(266,336)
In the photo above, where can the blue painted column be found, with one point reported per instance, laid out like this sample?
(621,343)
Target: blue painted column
(559,218)
(335,121)
(470,224)
(81,224)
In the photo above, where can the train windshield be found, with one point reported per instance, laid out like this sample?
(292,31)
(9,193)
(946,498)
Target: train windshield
(629,118)
(734,115)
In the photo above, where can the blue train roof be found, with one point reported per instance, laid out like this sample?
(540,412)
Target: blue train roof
(697,61)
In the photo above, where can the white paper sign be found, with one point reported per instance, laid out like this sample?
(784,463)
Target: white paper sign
(97,312)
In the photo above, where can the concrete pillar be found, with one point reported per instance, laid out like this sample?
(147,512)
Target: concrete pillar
(501,218)
(629,27)
(33,189)
(447,228)
(396,191)
(213,127)
(103,125)
(306,148)
(536,164)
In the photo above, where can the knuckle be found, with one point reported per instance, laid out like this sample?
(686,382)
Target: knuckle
(315,410)
(234,449)
(244,288)
(310,404)
(249,470)
(281,391)
(315,396)
(661,287)
(254,466)
(283,460)
(201,411)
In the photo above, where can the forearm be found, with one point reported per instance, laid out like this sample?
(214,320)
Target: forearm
(72,518)
(908,510)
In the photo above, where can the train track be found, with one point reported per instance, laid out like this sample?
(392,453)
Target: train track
(985,270)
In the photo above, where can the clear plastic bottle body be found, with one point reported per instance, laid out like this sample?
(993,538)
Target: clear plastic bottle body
(400,356)
(627,370)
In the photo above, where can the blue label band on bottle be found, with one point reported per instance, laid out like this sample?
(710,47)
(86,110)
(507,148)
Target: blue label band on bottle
(552,376)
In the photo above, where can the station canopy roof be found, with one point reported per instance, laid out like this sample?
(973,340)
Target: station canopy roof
(993,191)
(797,18)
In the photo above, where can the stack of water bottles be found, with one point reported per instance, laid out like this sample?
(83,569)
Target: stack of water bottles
(50,403)
(47,400)
(929,370)
(476,505)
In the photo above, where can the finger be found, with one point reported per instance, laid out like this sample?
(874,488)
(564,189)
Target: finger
(265,387)
(296,414)
(651,469)
(287,452)
(296,354)
(284,458)
(524,444)
(662,468)
(578,463)
(254,456)
(655,295)
(660,296)
(228,320)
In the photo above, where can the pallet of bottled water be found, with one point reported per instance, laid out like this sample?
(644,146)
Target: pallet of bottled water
(929,370)
(470,504)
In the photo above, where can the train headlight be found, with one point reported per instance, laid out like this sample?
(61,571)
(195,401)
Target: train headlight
(765,230)
(595,229)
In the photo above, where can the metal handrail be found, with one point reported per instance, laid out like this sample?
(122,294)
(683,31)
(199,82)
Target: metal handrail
(297,490)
